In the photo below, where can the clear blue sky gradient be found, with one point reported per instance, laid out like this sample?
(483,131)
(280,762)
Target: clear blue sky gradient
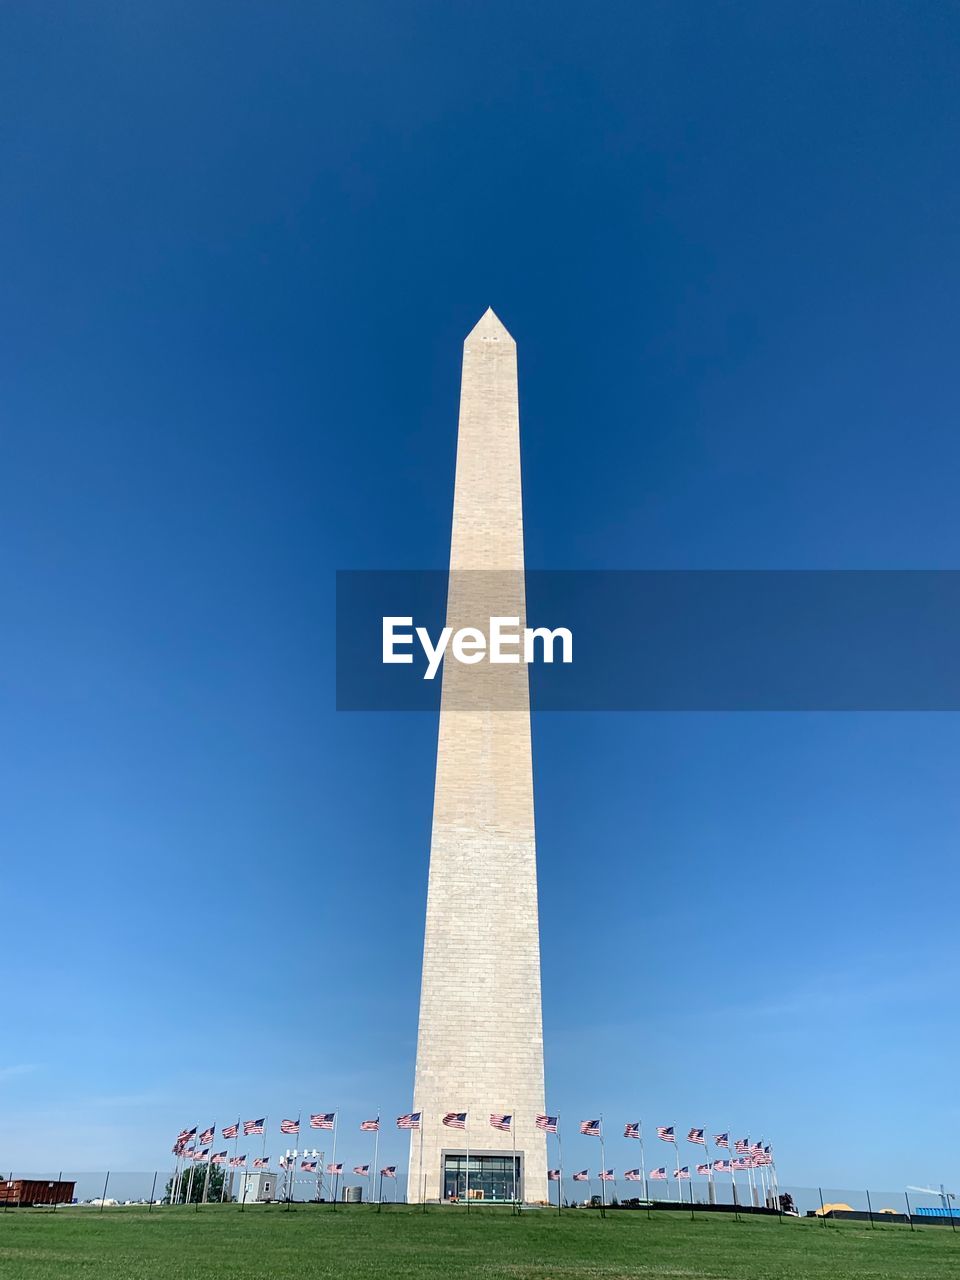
(241,245)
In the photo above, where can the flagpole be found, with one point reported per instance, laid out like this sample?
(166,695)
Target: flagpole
(193,1163)
(420,1189)
(603,1181)
(263,1145)
(206,1176)
(336,1176)
(513,1133)
(467,1137)
(560,1170)
(733,1172)
(676,1152)
(711,1192)
(376,1159)
(643,1168)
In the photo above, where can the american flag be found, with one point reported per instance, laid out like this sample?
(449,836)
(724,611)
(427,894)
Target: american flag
(696,1135)
(324,1120)
(633,1175)
(207,1136)
(722,1140)
(290,1126)
(370,1126)
(501,1122)
(231,1131)
(740,1163)
(238,1162)
(582,1176)
(631,1130)
(658,1175)
(721,1166)
(756,1149)
(741,1146)
(201,1155)
(409,1121)
(335,1169)
(185,1134)
(682,1173)
(553,1175)
(389,1172)
(262,1162)
(219,1157)
(590,1127)
(251,1127)
(547,1123)
(703,1170)
(190,1152)
(607,1175)
(665,1131)
(362,1170)
(308,1166)
(455,1119)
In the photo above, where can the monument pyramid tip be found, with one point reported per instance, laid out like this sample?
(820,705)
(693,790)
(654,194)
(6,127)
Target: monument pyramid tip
(489,324)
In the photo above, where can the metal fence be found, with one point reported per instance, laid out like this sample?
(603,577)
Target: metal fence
(830,1206)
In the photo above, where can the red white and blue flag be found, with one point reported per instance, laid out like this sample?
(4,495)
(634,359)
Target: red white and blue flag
(238,1162)
(631,1130)
(658,1175)
(207,1136)
(290,1126)
(362,1170)
(665,1132)
(682,1173)
(389,1172)
(582,1176)
(252,1127)
(591,1128)
(607,1175)
(548,1124)
(633,1175)
(409,1121)
(219,1157)
(324,1120)
(553,1175)
(703,1170)
(308,1166)
(696,1135)
(722,1166)
(501,1122)
(335,1169)
(455,1119)
(741,1146)
(370,1126)
(262,1162)
(232,1130)
(722,1140)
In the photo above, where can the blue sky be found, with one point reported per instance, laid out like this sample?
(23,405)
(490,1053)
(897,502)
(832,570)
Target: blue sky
(241,247)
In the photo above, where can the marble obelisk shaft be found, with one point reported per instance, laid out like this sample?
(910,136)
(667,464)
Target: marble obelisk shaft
(480,1042)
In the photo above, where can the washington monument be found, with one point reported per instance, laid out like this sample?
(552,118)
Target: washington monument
(480,1040)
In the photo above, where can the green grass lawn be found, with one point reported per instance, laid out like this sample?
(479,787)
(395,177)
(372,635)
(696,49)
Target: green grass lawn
(269,1243)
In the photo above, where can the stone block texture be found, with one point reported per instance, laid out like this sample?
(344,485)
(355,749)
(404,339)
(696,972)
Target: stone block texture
(480,1039)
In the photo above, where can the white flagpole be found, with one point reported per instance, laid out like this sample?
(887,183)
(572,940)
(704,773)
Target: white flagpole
(466,1135)
(206,1176)
(676,1152)
(333,1161)
(513,1133)
(560,1170)
(420,1193)
(603,1161)
(376,1157)
(643,1171)
(711,1193)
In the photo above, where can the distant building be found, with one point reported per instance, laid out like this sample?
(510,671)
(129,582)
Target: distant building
(256,1187)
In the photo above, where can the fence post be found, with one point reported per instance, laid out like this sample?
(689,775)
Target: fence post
(153,1193)
(870,1211)
(823,1212)
(106,1183)
(909,1211)
(57,1192)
